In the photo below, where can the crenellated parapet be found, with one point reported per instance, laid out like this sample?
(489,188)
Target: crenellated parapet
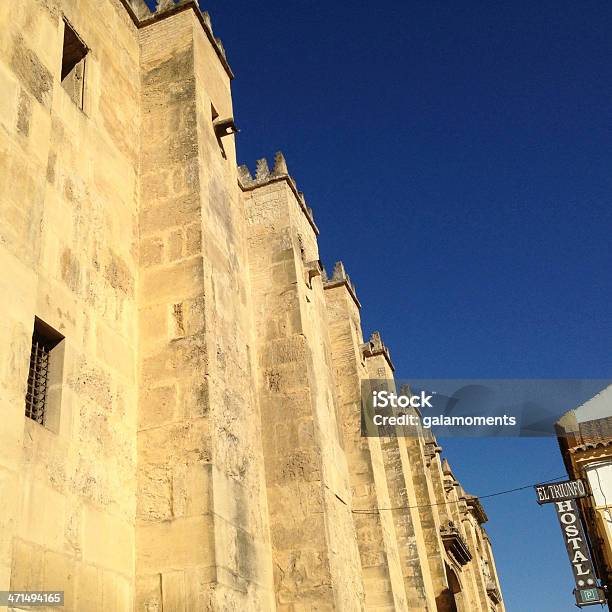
(163,6)
(265,176)
(340,278)
(137,9)
(375,346)
(142,16)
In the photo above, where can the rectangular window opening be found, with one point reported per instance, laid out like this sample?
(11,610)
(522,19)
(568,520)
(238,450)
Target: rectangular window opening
(73,65)
(45,365)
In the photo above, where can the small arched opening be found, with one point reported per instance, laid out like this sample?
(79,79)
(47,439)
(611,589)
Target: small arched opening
(452,599)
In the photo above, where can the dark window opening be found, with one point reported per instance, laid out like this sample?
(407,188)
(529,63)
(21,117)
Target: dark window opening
(73,65)
(44,340)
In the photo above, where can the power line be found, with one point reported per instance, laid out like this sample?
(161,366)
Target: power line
(529,486)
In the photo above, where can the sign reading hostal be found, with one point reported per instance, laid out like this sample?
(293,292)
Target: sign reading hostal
(577,547)
(560,491)
(563,495)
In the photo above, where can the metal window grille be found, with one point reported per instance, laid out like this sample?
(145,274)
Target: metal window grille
(36,397)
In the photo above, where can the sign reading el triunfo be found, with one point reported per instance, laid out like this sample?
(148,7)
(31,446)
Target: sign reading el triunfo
(560,491)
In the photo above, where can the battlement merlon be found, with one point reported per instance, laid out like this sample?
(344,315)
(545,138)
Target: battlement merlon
(142,16)
(338,279)
(374,347)
(265,176)
(447,471)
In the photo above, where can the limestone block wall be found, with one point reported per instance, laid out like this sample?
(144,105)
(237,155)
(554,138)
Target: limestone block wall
(445,509)
(493,568)
(433,463)
(407,490)
(202,532)
(458,511)
(68,252)
(428,511)
(202,447)
(474,571)
(475,543)
(315,553)
(376,536)
(477,579)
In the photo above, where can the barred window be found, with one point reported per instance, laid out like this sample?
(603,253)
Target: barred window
(44,340)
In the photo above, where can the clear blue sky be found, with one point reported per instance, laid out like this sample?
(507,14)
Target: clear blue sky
(458,158)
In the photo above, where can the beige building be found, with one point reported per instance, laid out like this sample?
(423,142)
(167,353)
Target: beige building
(585,440)
(180,381)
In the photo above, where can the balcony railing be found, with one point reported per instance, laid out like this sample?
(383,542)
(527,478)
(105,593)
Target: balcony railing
(493,591)
(454,543)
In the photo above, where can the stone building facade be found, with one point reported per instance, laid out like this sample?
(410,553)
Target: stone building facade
(190,435)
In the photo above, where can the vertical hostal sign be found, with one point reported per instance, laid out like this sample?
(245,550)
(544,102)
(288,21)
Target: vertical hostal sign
(563,496)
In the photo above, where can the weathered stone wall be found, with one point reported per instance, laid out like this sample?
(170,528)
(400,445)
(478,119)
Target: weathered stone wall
(405,487)
(425,513)
(474,540)
(494,582)
(477,578)
(202,533)
(316,559)
(376,535)
(202,447)
(68,252)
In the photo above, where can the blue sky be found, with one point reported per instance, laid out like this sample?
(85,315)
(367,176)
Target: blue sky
(458,158)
